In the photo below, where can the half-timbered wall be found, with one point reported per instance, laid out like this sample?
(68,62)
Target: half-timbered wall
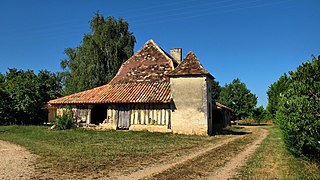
(137,115)
(150,114)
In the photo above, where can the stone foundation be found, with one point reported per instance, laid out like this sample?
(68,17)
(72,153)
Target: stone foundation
(150,128)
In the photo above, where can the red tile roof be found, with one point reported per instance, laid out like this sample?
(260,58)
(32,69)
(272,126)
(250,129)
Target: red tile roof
(149,64)
(141,79)
(147,92)
(190,66)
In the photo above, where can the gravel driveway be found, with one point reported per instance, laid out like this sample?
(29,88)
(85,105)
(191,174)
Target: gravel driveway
(15,162)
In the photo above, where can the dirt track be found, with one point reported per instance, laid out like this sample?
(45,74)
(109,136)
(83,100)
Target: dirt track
(231,168)
(16,162)
(227,171)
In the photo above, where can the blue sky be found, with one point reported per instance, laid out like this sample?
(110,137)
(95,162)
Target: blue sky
(253,40)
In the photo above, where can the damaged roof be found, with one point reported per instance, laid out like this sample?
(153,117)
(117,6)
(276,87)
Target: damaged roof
(149,64)
(190,66)
(143,78)
(146,92)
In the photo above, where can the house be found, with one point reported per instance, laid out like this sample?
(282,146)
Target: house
(152,91)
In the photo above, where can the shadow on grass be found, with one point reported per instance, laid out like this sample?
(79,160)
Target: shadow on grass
(3,131)
(252,124)
(232,132)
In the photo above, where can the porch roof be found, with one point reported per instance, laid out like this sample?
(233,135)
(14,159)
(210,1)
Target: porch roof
(145,92)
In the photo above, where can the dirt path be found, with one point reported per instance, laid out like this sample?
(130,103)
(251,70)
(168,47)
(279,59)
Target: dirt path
(15,162)
(155,169)
(230,170)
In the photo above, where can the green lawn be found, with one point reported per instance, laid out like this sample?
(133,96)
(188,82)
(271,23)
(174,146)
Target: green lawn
(80,152)
(273,161)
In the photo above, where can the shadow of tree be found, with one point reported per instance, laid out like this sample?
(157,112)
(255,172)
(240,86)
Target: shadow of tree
(231,132)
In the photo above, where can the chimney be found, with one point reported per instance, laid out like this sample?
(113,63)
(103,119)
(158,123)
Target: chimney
(176,54)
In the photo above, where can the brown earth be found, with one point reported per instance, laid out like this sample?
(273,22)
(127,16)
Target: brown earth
(16,162)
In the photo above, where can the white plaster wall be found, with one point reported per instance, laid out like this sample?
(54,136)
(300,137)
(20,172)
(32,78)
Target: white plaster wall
(190,105)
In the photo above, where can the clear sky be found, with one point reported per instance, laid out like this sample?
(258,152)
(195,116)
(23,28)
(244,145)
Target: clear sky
(253,40)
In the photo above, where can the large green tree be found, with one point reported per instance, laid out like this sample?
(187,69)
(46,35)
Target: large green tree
(5,103)
(216,89)
(100,55)
(275,91)
(237,96)
(24,95)
(299,110)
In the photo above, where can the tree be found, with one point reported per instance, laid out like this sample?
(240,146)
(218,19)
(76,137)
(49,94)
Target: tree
(299,110)
(260,114)
(274,92)
(237,96)
(98,58)
(5,104)
(216,89)
(24,95)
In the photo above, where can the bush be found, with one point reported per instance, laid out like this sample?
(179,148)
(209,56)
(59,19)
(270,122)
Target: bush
(299,110)
(66,121)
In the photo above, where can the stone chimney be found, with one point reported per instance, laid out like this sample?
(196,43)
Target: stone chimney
(176,54)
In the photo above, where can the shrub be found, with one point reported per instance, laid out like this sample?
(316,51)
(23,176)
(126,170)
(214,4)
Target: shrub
(299,110)
(65,121)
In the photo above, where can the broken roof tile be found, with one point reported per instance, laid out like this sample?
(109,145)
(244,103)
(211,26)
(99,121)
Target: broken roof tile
(145,65)
(189,66)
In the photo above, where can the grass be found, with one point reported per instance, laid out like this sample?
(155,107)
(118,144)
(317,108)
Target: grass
(92,154)
(273,161)
(199,167)
(97,153)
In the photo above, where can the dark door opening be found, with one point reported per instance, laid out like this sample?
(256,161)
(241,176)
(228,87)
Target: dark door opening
(217,120)
(98,114)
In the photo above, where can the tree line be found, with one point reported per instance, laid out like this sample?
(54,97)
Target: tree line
(294,103)
(93,63)
(240,99)
(24,95)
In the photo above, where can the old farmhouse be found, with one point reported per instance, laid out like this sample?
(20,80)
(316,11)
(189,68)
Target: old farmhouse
(152,91)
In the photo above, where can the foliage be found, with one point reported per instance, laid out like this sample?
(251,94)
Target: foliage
(299,110)
(260,114)
(24,95)
(66,120)
(238,97)
(5,108)
(274,92)
(100,55)
(216,89)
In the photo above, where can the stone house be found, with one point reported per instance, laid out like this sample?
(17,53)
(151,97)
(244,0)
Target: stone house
(152,91)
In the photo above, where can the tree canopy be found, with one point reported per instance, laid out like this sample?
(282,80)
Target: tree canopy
(298,112)
(275,91)
(24,95)
(237,96)
(98,58)
(216,89)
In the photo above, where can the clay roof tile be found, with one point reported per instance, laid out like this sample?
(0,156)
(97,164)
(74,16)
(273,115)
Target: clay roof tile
(190,66)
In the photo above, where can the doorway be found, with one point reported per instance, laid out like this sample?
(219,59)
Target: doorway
(98,114)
